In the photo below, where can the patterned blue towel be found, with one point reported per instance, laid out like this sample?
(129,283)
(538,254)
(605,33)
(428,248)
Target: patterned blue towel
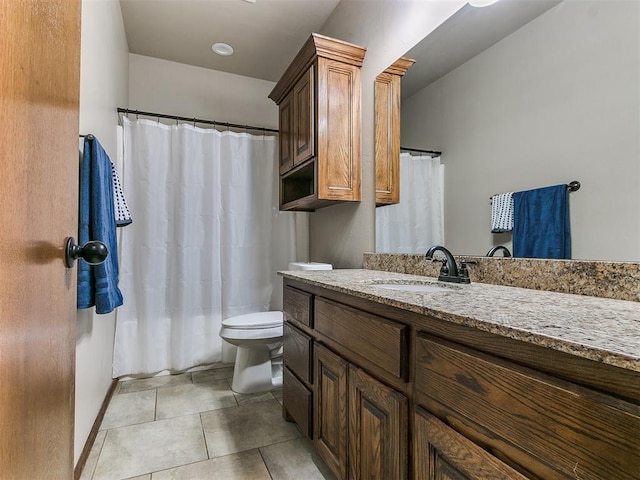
(121,209)
(502,212)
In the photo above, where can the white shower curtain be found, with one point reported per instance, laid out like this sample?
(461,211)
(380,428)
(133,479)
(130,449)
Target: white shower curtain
(417,222)
(206,241)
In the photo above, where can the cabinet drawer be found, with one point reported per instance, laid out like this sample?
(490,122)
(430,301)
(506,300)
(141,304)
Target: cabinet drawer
(297,401)
(382,342)
(297,352)
(297,306)
(541,424)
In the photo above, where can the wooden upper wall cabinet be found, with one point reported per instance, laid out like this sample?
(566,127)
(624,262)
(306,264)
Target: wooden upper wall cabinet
(320,120)
(387,132)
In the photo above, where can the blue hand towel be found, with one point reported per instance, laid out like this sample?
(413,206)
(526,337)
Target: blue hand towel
(541,223)
(97,284)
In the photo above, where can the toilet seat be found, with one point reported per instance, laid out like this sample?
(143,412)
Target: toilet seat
(255,320)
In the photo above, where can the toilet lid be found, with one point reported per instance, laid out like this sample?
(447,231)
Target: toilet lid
(255,320)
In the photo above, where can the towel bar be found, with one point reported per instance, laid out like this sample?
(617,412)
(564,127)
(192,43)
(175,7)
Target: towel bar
(571,186)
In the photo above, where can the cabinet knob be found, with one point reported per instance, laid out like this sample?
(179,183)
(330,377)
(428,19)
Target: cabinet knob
(94,253)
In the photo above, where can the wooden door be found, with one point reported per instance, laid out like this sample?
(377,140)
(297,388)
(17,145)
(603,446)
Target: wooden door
(39,93)
(378,426)
(330,410)
(441,453)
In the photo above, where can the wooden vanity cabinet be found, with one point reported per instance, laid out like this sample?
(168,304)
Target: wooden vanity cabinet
(320,119)
(387,132)
(514,417)
(391,394)
(360,365)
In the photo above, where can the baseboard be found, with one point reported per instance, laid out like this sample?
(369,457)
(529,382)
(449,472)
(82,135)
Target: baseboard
(94,431)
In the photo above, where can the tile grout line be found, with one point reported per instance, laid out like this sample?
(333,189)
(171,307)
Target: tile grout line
(265,462)
(204,436)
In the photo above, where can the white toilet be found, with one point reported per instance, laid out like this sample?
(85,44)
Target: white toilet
(258,336)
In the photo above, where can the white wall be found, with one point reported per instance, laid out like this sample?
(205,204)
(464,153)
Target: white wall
(558,100)
(161,86)
(388,29)
(103,88)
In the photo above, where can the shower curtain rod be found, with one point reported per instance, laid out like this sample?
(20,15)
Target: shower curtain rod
(126,111)
(430,152)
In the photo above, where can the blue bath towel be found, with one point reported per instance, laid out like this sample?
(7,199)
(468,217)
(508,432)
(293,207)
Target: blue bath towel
(541,223)
(97,284)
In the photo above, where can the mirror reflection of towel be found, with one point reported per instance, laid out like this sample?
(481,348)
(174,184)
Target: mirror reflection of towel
(502,213)
(541,223)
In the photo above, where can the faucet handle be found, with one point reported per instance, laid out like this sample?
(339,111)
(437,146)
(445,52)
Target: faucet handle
(464,272)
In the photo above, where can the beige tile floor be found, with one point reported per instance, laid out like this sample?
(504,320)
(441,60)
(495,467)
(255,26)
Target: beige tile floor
(193,426)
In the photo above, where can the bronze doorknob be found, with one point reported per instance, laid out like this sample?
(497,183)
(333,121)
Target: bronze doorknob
(94,253)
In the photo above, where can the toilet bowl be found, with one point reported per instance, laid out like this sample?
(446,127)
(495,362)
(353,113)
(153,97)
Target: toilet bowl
(258,336)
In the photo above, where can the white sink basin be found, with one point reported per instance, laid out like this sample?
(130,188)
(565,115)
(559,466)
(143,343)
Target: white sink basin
(419,288)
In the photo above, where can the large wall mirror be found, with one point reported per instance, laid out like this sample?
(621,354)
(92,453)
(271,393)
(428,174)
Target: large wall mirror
(525,94)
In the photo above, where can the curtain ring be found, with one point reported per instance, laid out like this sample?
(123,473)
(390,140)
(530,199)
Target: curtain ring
(158,120)
(194,121)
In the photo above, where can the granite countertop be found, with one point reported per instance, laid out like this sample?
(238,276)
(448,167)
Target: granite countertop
(599,329)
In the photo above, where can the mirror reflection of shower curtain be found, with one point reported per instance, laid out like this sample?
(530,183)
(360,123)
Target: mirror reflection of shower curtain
(417,222)
(205,244)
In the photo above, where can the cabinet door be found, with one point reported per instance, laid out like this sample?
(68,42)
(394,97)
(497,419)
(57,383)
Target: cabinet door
(441,453)
(378,425)
(387,138)
(303,118)
(339,123)
(330,410)
(286,134)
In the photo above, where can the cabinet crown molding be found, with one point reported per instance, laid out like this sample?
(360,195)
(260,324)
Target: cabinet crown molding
(316,46)
(400,66)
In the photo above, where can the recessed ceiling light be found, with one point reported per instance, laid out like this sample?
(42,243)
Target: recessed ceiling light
(481,3)
(222,49)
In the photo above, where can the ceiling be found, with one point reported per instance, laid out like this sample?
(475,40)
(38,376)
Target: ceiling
(266,35)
